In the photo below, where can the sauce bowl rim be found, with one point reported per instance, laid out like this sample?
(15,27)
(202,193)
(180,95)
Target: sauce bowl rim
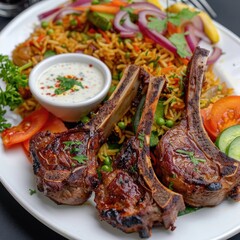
(69,58)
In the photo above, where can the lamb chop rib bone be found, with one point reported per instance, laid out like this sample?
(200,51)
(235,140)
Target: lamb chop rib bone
(60,177)
(203,174)
(169,202)
(137,203)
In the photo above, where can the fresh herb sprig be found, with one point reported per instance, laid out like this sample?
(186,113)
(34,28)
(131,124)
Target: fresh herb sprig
(12,74)
(72,147)
(3,122)
(193,159)
(141,138)
(66,84)
(14,79)
(188,210)
(32,191)
(175,18)
(178,18)
(177,39)
(80,158)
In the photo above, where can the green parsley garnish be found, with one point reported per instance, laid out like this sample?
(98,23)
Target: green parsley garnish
(175,18)
(80,158)
(188,210)
(178,18)
(32,191)
(66,84)
(193,159)
(171,186)
(71,146)
(3,122)
(14,79)
(179,41)
(157,24)
(141,138)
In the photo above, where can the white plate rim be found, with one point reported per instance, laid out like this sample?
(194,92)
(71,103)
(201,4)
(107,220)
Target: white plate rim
(23,201)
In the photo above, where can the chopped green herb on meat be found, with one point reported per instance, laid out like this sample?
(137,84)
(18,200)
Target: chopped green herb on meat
(193,159)
(80,158)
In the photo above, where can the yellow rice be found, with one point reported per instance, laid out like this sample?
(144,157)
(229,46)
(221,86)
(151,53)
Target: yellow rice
(117,53)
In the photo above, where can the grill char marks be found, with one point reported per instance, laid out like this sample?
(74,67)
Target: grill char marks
(188,159)
(65,163)
(131,197)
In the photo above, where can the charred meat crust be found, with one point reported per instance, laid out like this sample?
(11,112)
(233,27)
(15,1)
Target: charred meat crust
(65,164)
(188,159)
(131,197)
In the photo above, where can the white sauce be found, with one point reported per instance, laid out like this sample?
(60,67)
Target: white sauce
(89,78)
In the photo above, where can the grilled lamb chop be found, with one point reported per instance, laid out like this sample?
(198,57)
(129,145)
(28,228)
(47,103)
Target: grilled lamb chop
(65,163)
(188,159)
(131,197)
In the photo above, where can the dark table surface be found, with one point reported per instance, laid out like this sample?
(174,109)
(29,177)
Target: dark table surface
(17,223)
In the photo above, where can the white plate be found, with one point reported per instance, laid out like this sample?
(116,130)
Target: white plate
(82,222)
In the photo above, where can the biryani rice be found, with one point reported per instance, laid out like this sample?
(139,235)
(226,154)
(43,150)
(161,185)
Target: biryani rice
(117,53)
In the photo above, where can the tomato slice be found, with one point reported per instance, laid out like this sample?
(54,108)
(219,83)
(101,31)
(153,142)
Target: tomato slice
(26,129)
(225,113)
(222,114)
(53,124)
(205,113)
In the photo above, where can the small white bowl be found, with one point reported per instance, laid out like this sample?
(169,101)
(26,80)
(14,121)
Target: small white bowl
(70,112)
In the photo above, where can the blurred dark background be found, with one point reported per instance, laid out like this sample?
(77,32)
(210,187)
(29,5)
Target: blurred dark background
(15,222)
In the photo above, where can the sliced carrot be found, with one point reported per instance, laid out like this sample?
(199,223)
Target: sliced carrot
(136,48)
(40,38)
(173,28)
(168,69)
(81,8)
(185,61)
(116,3)
(104,8)
(105,36)
(148,40)
(178,106)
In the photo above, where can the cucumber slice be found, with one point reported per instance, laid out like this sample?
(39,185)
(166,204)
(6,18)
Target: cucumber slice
(101,20)
(227,136)
(233,150)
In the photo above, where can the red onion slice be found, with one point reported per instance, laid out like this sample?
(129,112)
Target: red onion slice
(190,37)
(127,34)
(49,13)
(154,35)
(63,12)
(117,21)
(201,35)
(197,23)
(56,12)
(128,24)
(216,54)
(80,3)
